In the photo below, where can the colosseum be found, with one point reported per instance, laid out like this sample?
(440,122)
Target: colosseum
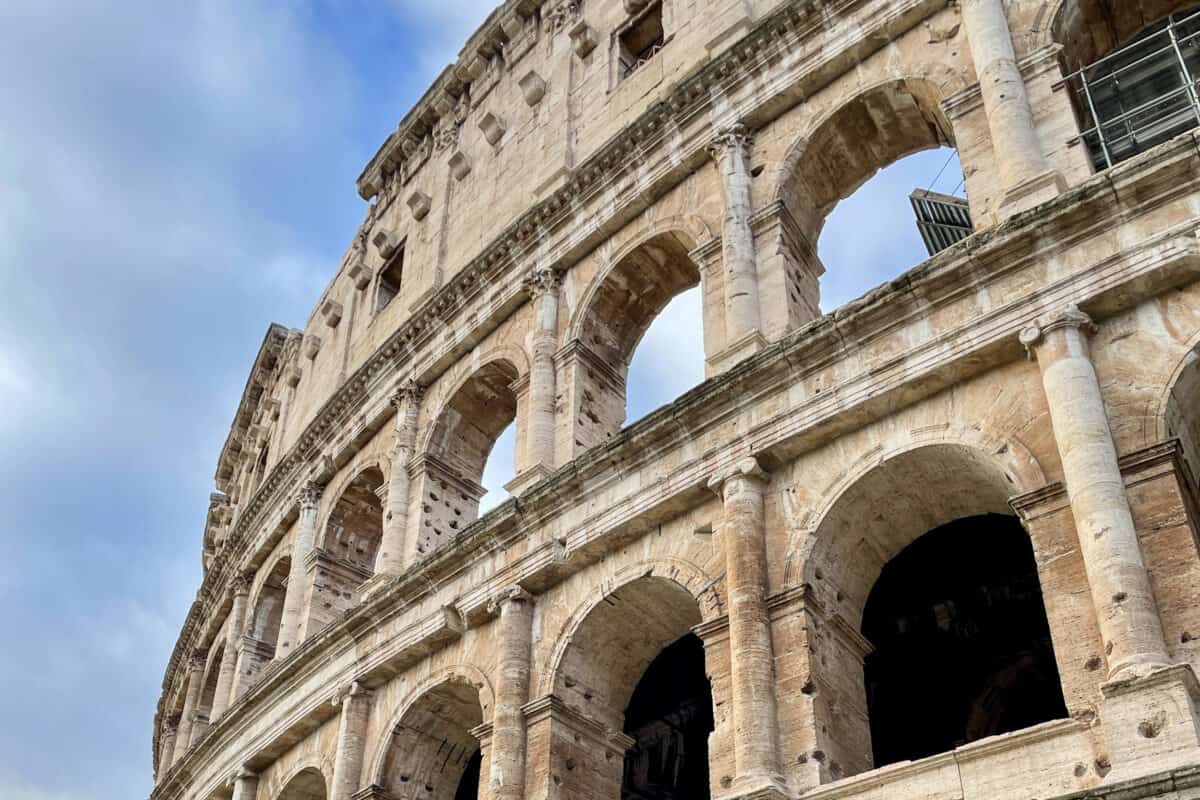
(939,543)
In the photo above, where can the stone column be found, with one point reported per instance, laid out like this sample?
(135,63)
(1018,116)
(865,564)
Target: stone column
(731,150)
(543,286)
(183,738)
(507,772)
(752,672)
(352,731)
(407,402)
(1025,177)
(166,744)
(292,626)
(245,785)
(229,656)
(1108,542)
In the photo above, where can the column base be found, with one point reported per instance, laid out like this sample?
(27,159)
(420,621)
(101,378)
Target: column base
(528,477)
(755,789)
(1031,193)
(1151,723)
(740,350)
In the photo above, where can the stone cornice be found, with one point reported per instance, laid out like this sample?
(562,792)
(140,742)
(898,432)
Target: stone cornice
(987,339)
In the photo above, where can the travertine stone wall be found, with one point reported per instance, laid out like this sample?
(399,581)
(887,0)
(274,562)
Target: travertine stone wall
(361,632)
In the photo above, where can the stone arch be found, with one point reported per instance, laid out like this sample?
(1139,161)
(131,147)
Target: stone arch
(612,315)
(208,685)
(1178,412)
(353,524)
(1020,468)
(889,503)
(675,586)
(862,132)
(430,741)
(457,443)
(263,623)
(628,662)
(305,782)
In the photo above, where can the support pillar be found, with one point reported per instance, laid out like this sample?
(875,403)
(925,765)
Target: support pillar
(543,286)
(1025,176)
(292,627)
(390,560)
(351,742)
(743,325)
(183,738)
(245,785)
(1112,557)
(752,671)
(506,777)
(227,671)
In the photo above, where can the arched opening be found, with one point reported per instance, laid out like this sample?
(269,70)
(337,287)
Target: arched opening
(267,615)
(263,626)
(669,359)
(669,718)
(501,467)
(355,527)
(615,317)
(467,430)
(633,664)
(879,528)
(306,785)
(1132,68)
(208,690)
(432,753)
(958,617)
(896,242)
(872,131)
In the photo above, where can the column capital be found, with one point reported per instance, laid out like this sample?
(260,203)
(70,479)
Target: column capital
(509,594)
(734,138)
(197,660)
(171,723)
(242,773)
(1067,318)
(351,690)
(309,496)
(240,583)
(749,468)
(408,391)
(543,280)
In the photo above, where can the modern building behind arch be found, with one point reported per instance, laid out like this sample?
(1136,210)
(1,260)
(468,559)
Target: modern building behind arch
(941,542)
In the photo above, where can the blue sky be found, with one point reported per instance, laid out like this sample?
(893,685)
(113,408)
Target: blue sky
(173,177)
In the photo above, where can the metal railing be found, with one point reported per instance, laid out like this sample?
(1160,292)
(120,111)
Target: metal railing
(1141,94)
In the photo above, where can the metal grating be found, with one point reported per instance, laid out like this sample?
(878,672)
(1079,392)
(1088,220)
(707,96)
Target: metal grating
(1141,94)
(942,219)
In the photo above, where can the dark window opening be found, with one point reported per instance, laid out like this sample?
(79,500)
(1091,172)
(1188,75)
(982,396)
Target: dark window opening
(468,784)
(962,645)
(389,279)
(260,469)
(670,717)
(640,39)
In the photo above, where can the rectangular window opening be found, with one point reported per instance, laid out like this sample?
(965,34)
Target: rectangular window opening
(641,39)
(389,279)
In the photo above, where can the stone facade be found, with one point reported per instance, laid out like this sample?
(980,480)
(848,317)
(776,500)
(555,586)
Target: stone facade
(362,632)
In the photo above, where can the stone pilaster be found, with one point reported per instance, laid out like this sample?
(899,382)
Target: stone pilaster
(543,287)
(227,672)
(351,743)
(743,326)
(752,672)
(187,720)
(1120,586)
(407,402)
(292,627)
(1025,176)
(245,785)
(506,777)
